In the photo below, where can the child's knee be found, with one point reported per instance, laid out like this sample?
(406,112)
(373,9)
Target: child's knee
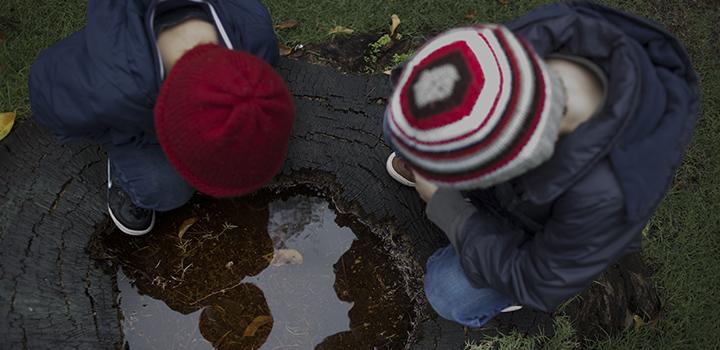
(169,195)
(161,193)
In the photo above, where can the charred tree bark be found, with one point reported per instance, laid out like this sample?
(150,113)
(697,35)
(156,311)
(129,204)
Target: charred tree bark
(52,295)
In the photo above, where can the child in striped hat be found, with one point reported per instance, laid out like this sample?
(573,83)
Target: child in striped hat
(541,151)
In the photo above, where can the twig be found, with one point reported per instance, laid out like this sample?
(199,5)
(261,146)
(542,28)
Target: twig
(216,292)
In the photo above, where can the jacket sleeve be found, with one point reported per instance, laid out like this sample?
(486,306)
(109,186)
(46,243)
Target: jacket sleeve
(58,82)
(586,233)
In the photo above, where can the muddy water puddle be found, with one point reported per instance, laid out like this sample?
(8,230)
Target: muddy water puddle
(266,271)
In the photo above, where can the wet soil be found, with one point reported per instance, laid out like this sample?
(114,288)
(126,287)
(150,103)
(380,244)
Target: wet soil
(266,271)
(355,53)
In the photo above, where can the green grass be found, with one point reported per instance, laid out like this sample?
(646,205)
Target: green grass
(686,248)
(419,16)
(564,339)
(30,26)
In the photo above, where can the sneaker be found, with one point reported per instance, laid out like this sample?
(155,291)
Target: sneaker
(511,308)
(128,217)
(399,170)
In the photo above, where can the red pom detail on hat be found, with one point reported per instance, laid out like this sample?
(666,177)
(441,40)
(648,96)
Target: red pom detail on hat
(224,119)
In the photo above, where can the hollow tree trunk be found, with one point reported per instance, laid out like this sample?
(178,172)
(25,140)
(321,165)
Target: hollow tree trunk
(52,198)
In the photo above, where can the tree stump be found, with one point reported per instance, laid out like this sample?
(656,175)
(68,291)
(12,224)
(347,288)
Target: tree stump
(52,200)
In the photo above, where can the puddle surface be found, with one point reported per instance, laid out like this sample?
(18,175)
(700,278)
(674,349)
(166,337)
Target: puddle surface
(260,272)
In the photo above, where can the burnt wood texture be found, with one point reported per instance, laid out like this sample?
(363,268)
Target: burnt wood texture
(53,295)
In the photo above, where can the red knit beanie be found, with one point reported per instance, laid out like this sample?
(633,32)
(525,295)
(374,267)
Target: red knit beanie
(223,118)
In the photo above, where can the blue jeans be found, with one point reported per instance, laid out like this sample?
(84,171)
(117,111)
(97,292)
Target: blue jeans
(453,297)
(147,176)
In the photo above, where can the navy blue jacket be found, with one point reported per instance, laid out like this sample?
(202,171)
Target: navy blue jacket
(102,81)
(544,236)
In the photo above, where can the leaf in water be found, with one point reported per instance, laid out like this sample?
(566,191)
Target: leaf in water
(291,23)
(185,226)
(395,23)
(286,256)
(255,324)
(341,30)
(284,49)
(471,14)
(7,120)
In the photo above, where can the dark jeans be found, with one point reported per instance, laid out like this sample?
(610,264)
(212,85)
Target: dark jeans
(147,177)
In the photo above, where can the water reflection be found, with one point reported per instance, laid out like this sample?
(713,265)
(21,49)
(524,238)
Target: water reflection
(258,273)
(304,305)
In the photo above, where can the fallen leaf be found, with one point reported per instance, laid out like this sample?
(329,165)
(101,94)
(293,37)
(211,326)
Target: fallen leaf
(504,2)
(3,38)
(471,14)
(291,23)
(395,23)
(638,322)
(286,256)
(185,226)
(284,49)
(7,120)
(388,72)
(653,323)
(255,324)
(341,30)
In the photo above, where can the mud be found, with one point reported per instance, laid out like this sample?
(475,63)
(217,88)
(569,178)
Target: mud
(355,53)
(268,271)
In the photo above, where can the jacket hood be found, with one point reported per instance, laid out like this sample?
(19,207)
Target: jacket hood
(650,110)
(102,81)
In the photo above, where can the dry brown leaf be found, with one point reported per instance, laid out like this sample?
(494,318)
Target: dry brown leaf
(291,23)
(7,120)
(185,226)
(504,2)
(638,322)
(3,38)
(255,324)
(471,14)
(341,30)
(284,49)
(395,23)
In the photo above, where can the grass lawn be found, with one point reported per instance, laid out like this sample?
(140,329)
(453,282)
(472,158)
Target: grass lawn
(685,248)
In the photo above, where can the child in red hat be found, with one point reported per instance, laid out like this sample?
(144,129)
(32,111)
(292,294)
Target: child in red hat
(180,93)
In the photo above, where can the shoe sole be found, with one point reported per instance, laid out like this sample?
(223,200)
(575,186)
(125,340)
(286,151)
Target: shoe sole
(511,308)
(130,231)
(394,174)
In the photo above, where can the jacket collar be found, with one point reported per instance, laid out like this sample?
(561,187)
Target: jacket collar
(562,30)
(157,7)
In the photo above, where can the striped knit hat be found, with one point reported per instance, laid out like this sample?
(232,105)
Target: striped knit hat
(475,107)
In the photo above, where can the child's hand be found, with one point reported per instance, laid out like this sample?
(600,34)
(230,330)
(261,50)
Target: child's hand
(425,188)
